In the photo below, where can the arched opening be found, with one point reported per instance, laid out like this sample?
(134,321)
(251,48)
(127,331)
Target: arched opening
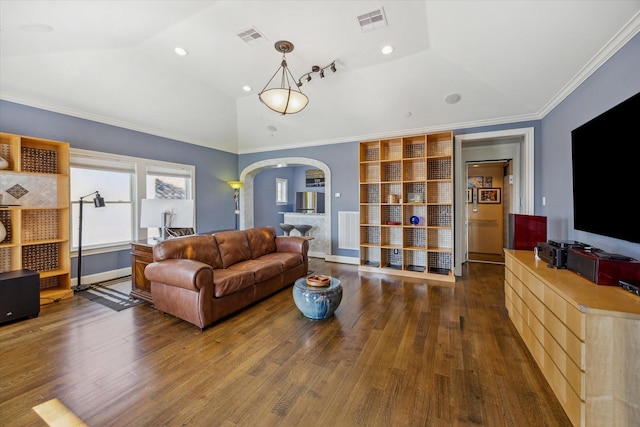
(249,173)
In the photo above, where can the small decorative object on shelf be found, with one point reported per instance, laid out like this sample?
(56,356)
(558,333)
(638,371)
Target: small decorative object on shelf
(318,280)
(3,232)
(414,220)
(4,164)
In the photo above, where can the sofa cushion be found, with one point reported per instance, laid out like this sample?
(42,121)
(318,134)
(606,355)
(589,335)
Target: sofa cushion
(262,240)
(199,248)
(233,246)
(226,281)
(261,270)
(288,260)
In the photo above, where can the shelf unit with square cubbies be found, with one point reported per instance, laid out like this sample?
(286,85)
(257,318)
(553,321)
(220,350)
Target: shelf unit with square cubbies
(34,211)
(406,206)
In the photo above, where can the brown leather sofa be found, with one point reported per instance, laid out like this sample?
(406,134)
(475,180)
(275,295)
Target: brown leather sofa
(203,278)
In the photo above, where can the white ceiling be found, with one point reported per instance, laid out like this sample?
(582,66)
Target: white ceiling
(113,62)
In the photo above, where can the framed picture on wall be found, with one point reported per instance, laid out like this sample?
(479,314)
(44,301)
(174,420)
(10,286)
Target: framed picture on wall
(488,195)
(476,181)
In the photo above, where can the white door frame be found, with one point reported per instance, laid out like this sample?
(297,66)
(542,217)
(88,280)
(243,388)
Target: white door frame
(499,145)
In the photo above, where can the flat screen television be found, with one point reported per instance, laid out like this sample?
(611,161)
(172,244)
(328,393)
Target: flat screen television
(605,154)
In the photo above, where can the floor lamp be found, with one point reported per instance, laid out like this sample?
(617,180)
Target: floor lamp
(236,185)
(98,202)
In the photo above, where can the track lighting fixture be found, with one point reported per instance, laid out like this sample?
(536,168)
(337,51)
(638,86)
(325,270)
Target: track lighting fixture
(316,69)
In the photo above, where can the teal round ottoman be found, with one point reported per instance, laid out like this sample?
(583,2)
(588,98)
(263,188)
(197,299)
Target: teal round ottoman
(317,302)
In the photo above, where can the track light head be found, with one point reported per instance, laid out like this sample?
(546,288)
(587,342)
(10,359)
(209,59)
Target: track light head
(322,74)
(333,67)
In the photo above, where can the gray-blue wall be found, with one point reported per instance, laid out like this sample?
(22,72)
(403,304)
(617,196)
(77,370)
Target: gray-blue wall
(214,197)
(264,196)
(615,81)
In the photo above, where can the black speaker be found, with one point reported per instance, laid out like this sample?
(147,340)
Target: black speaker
(19,295)
(585,266)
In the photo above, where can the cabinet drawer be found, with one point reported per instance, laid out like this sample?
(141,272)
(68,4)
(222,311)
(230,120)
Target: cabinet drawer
(143,251)
(567,313)
(569,399)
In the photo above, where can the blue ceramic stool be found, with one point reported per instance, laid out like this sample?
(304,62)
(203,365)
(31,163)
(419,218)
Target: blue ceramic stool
(317,302)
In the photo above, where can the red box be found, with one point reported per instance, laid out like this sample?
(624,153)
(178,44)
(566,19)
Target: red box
(526,231)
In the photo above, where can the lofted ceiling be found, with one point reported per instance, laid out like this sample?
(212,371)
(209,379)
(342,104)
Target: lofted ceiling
(114,62)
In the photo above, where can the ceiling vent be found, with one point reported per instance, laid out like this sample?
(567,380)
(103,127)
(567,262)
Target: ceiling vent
(372,20)
(252,37)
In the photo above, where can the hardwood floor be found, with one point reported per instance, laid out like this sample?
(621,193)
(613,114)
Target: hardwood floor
(396,353)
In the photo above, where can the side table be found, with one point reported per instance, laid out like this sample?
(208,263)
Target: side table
(317,302)
(141,256)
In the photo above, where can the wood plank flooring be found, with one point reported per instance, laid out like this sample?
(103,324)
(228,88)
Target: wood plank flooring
(398,352)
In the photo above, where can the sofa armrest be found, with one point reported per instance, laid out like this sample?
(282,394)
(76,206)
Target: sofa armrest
(183,273)
(295,244)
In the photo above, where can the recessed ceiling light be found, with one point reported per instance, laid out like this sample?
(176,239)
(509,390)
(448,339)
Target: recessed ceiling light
(246,88)
(181,51)
(452,98)
(272,128)
(386,50)
(36,28)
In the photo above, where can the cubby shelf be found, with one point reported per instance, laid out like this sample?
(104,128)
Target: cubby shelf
(35,212)
(401,179)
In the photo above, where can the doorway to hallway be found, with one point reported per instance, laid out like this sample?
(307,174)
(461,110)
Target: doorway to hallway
(489,192)
(514,144)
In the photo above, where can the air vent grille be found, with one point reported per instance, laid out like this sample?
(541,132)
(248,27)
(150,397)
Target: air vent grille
(251,37)
(372,20)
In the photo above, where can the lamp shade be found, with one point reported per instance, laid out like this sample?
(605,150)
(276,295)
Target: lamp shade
(98,201)
(284,100)
(180,213)
(236,185)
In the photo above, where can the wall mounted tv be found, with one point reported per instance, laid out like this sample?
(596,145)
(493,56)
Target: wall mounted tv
(605,154)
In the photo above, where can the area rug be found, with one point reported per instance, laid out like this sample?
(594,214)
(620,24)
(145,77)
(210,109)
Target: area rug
(113,294)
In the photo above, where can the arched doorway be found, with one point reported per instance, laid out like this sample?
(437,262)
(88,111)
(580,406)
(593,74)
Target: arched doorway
(249,173)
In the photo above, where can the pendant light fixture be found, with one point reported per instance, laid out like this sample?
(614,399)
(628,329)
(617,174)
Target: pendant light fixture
(284,99)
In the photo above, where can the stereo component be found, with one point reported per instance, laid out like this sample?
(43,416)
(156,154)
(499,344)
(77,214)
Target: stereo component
(554,252)
(603,268)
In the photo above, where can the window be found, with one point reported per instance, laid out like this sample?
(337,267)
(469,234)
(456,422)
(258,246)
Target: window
(122,181)
(101,226)
(282,189)
(167,182)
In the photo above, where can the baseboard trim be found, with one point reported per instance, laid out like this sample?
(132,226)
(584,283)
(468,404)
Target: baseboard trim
(342,259)
(102,277)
